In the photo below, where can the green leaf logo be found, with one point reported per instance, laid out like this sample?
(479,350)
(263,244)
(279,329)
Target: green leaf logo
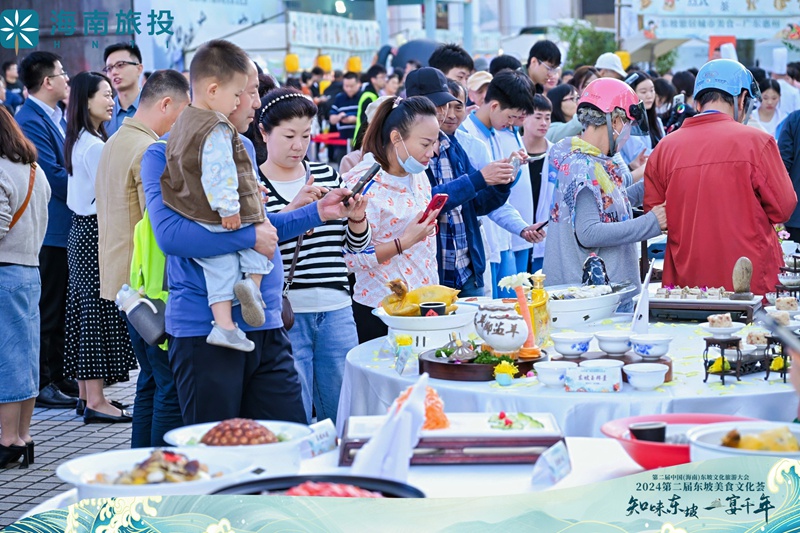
(19,28)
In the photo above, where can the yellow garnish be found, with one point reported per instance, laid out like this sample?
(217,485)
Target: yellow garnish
(403,340)
(506,368)
(777,364)
(720,365)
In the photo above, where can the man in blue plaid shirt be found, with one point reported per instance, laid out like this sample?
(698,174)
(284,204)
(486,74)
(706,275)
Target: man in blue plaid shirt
(471,193)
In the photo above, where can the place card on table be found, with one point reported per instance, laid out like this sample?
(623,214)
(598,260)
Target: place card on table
(401,359)
(553,466)
(322,440)
(582,379)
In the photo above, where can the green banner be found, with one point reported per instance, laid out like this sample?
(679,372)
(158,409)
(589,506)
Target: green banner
(724,495)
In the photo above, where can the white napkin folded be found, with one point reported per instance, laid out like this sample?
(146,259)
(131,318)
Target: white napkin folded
(388,453)
(641,315)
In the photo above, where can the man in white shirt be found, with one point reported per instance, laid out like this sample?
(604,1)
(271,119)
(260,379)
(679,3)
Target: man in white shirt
(790,96)
(42,122)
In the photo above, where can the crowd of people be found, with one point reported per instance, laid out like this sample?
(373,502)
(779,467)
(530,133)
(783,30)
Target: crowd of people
(200,193)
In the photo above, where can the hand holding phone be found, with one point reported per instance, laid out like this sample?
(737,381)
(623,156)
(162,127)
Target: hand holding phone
(362,182)
(436,203)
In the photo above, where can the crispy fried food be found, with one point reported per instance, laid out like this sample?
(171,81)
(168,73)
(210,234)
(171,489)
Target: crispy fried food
(404,302)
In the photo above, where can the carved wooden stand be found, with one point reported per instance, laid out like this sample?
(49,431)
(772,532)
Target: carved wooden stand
(773,343)
(728,343)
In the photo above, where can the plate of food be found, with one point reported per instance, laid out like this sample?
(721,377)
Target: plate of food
(274,445)
(721,326)
(336,486)
(459,318)
(573,305)
(737,439)
(154,471)
(675,451)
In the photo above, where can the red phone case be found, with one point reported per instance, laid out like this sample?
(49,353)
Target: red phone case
(437,202)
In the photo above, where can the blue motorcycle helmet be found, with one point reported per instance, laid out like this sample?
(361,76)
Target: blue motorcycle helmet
(730,77)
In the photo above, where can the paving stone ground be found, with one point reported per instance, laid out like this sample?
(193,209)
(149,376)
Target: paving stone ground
(59,435)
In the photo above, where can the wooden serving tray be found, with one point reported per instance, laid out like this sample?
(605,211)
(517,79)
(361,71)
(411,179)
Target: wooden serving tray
(627,359)
(494,447)
(747,307)
(440,368)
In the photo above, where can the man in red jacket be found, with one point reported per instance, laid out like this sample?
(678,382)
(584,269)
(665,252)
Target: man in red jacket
(724,184)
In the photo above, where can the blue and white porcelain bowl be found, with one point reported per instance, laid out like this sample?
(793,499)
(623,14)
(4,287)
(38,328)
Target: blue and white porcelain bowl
(614,342)
(571,344)
(645,376)
(553,373)
(651,345)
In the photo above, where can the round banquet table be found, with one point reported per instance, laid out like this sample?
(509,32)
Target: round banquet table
(371,384)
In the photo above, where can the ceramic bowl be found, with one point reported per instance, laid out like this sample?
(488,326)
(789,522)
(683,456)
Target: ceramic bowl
(571,344)
(771,297)
(601,363)
(645,376)
(553,373)
(660,454)
(789,279)
(614,342)
(651,345)
(704,441)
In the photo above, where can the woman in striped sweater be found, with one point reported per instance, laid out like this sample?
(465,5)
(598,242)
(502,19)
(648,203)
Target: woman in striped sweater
(324,329)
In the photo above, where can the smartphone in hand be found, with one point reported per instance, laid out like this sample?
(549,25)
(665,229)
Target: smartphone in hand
(437,202)
(363,181)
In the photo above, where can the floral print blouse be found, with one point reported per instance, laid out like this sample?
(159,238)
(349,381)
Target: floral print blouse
(394,202)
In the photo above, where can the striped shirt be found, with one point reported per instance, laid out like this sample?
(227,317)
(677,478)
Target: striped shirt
(320,278)
(349,106)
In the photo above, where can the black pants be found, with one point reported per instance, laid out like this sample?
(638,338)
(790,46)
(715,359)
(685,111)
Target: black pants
(52,308)
(368,325)
(216,383)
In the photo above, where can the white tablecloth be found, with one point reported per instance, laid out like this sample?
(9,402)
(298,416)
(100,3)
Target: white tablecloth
(456,481)
(371,384)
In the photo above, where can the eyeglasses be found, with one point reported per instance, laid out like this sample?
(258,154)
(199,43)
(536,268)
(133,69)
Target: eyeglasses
(62,73)
(118,65)
(550,70)
(572,98)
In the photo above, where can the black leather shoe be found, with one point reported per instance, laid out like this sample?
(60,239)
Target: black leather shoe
(90,416)
(81,406)
(52,398)
(69,387)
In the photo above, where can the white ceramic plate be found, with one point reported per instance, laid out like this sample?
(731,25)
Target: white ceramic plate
(722,332)
(463,316)
(746,349)
(279,458)
(79,472)
(704,441)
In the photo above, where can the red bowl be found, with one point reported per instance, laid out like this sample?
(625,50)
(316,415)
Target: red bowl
(651,455)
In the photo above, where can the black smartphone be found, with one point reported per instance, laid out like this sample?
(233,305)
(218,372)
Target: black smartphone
(546,222)
(363,181)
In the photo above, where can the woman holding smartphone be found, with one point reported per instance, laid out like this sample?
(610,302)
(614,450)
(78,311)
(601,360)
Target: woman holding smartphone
(401,137)
(324,329)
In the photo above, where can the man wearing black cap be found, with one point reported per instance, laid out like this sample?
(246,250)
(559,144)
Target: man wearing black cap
(471,193)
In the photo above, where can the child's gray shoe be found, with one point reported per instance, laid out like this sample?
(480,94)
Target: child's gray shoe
(249,296)
(230,338)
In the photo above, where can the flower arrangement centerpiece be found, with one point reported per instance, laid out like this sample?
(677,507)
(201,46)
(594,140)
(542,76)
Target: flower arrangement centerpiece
(519,283)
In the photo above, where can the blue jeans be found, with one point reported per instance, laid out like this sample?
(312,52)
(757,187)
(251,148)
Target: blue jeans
(506,267)
(536,264)
(156,409)
(320,342)
(522,258)
(20,289)
(470,288)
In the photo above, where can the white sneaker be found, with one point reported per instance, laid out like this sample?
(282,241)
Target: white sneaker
(230,338)
(249,296)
